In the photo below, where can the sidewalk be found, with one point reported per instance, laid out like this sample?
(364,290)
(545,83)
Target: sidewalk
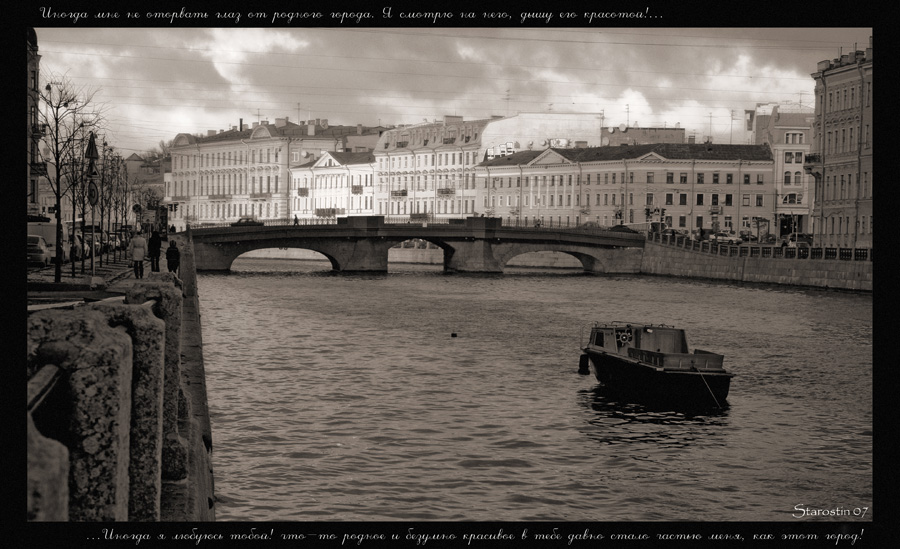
(110,280)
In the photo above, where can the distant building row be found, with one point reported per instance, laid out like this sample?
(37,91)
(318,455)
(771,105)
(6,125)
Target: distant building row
(548,167)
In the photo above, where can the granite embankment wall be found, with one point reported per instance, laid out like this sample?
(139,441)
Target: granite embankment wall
(702,260)
(117,422)
(768,264)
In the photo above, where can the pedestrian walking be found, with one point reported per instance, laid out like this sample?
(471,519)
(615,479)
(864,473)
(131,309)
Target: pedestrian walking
(154,245)
(137,251)
(173,257)
(296,220)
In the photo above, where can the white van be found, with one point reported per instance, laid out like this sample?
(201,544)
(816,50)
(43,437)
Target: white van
(48,231)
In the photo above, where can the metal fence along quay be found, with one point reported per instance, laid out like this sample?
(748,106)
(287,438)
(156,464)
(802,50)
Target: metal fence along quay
(766,252)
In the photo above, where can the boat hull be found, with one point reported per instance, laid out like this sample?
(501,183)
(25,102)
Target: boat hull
(647,383)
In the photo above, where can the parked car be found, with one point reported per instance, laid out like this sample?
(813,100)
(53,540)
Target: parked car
(724,238)
(797,237)
(80,248)
(93,240)
(672,232)
(38,252)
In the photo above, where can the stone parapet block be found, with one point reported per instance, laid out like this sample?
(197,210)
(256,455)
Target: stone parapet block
(167,277)
(148,339)
(168,307)
(48,476)
(96,363)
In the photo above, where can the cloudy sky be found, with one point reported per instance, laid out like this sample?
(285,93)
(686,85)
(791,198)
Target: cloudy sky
(157,82)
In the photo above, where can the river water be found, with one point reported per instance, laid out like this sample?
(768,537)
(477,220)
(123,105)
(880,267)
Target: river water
(346,397)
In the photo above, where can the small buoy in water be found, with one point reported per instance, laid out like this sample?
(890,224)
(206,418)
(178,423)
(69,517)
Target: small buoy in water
(583,365)
(453,334)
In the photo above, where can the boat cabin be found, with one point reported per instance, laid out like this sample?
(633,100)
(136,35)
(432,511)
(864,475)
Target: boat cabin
(658,346)
(616,337)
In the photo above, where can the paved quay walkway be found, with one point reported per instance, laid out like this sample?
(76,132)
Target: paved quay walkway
(110,280)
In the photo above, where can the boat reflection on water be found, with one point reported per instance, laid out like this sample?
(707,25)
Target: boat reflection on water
(617,421)
(606,399)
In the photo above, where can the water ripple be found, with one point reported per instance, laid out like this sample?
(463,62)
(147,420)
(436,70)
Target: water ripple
(345,398)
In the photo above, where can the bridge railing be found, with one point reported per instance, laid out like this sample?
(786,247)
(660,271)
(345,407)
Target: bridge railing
(589,228)
(774,252)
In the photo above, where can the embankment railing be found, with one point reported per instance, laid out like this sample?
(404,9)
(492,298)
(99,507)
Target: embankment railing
(765,252)
(104,394)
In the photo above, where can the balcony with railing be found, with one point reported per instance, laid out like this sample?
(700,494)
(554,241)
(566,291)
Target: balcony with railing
(400,193)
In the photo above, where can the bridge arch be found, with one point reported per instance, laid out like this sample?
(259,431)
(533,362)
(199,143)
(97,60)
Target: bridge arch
(592,259)
(294,252)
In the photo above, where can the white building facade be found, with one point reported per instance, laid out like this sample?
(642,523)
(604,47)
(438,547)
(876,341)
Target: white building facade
(789,134)
(689,186)
(230,174)
(336,184)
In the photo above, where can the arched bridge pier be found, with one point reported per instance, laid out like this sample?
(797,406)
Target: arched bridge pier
(474,244)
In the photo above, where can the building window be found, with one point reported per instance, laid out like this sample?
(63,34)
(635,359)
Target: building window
(682,178)
(788,157)
(787,178)
(729,178)
(670,177)
(682,199)
(699,199)
(759,200)
(715,178)
(745,200)
(728,200)
(649,199)
(759,179)
(746,179)
(715,200)
(669,199)
(699,178)
(649,177)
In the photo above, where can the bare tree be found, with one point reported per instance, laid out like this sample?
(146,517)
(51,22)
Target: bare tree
(66,111)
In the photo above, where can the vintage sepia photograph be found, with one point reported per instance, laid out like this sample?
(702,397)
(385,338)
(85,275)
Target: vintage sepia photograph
(386,266)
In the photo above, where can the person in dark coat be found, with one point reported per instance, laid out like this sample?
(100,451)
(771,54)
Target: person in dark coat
(153,248)
(173,257)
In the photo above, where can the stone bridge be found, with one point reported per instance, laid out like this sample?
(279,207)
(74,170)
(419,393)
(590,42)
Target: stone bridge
(475,244)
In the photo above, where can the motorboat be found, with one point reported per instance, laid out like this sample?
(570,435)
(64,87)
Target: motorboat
(652,363)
